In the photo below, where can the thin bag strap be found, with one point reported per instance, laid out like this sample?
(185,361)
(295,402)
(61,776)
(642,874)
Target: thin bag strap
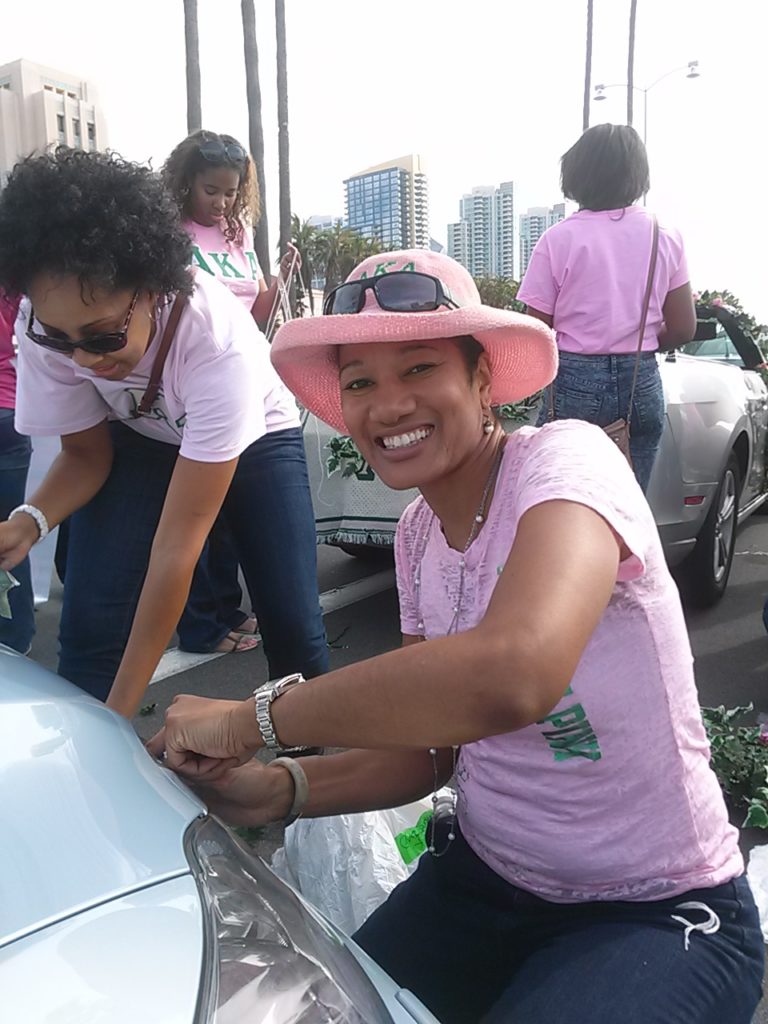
(145,405)
(646,304)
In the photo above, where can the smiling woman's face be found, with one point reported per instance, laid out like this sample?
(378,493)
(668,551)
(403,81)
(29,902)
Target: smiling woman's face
(69,311)
(412,408)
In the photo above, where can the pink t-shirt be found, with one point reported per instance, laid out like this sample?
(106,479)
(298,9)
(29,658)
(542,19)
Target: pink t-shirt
(219,391)
(234,265)
(8,309)
(610,796)
(589,273)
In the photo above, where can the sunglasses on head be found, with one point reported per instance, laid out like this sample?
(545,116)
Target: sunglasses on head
(402,291)
(214,150)
(96,344)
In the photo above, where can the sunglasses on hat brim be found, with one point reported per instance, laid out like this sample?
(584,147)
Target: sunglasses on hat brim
(402,291)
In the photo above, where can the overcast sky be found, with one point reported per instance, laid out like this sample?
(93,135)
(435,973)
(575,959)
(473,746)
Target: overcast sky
(486,91)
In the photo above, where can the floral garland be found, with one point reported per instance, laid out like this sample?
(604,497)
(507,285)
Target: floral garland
(748,324)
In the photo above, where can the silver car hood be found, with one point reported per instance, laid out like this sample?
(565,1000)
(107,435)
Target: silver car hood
(71,773)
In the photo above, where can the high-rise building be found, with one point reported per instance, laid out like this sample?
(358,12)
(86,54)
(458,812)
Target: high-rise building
(533,223)
(483,239)
(41,107)
(389,202)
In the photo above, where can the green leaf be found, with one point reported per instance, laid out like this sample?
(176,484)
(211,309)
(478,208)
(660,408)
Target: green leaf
(148,709)
(757,815)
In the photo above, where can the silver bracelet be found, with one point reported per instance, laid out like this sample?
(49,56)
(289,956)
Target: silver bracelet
(37,515)
(300,788)
(263,705)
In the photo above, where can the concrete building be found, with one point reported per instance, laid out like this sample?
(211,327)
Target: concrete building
(533,223)
(324,221)
(390,202)
(483,239)
(41,107)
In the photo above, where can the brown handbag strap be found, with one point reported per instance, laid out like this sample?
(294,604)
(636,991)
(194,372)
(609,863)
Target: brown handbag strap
(646,304)
(145,405)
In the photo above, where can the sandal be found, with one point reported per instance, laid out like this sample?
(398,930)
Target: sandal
(237,643)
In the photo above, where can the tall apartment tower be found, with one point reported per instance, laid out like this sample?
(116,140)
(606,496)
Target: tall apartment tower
(483,239)
(41,107)
(390,202)
(533,223)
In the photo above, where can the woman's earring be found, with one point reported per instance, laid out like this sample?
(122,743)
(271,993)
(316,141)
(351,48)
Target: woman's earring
(488,425)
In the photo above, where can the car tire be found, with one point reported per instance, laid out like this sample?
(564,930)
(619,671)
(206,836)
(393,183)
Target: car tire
(706,570)
(367,552)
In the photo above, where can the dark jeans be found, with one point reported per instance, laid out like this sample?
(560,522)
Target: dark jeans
(213,606)
(597,389)
(15,453)
(269,512)
(474,948)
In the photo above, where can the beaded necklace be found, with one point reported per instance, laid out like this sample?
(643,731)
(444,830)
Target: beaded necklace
(445,808)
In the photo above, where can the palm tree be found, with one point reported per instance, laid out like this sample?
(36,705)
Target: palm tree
(256,131)
(191,43)
(631,61)
(588,67)
(304,237)
(282,127)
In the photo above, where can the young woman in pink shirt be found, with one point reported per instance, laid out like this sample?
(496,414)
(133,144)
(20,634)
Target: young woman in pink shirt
(587,278)
(213,180)
(587,870)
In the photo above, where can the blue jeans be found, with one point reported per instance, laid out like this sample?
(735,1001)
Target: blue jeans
(474,948)
(15,453)
(269,512)
(597,389)
(213,606)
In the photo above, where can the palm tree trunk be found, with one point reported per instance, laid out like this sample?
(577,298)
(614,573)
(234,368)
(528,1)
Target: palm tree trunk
(283,156)
(191,43)
(631,62)
(256,132)
(588,68)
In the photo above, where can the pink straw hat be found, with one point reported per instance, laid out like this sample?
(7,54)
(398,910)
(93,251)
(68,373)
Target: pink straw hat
(521,350)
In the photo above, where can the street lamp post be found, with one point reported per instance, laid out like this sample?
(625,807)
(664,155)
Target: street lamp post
(691,69)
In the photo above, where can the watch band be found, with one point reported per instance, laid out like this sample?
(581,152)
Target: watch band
(263,706)
(37,515)
(300,788)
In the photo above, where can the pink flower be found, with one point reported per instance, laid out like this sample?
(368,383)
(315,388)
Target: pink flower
(717,302)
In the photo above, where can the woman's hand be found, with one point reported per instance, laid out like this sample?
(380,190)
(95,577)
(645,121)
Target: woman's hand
(17,536)
(291,260)
(251,795)
(202,739)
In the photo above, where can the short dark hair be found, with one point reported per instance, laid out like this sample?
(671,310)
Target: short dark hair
(607,169)
(107,221)
(471,349)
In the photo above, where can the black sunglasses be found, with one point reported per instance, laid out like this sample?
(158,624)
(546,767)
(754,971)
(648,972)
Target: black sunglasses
(402,291)
(97,344)
(214,150)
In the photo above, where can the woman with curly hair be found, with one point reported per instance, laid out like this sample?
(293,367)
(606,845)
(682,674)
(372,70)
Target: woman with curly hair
(213,180)
(161,389)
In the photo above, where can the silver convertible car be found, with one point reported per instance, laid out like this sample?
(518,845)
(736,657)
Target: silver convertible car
(709,475)
(123,902)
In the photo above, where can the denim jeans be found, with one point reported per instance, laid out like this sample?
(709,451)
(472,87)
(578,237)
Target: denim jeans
(15,453)
(269,512)
(213,606)
(597,389)
(474,948)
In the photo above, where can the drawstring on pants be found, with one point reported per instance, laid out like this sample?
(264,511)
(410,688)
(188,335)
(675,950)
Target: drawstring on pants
(708,927)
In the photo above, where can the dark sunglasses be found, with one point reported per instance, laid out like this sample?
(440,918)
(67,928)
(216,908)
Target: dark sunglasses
(402,291)
(97,344)
(214,150)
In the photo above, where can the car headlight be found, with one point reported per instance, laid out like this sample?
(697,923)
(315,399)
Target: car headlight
(268,959)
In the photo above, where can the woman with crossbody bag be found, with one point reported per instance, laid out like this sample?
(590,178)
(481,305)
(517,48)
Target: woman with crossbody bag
(599,274)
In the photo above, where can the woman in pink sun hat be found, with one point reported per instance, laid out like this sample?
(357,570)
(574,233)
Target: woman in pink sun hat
(586,869)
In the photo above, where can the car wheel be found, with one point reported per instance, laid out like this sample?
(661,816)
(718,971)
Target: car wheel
(706,570)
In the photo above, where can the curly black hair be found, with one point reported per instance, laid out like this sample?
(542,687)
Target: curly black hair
(186,161)
(107,221)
